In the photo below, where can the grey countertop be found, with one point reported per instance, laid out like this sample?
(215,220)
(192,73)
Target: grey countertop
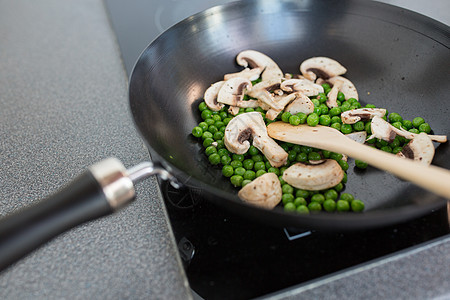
(64,106)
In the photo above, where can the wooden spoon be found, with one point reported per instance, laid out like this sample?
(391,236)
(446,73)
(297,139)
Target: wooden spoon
(433,178)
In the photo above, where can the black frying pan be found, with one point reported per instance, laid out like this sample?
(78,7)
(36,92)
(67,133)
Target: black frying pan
(397,59)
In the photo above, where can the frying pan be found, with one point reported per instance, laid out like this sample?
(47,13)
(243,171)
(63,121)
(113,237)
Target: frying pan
(397,59)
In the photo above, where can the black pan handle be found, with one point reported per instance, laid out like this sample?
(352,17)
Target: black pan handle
(101,190)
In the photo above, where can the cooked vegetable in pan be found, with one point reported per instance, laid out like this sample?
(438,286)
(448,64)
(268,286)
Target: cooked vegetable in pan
(236,111)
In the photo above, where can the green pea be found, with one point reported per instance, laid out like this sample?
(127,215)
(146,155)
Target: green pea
(238,157)
(407,124)
(301,157)
(339,187)
(343,164)
(357,205)
(210,150)
(306,149)
(197,131)
(219,124)
(302,209)
(220,144)
(322,97)
(335,111)
(317,111)
(397,125)
(203,126)
(326,153)
(302,117)
(314,156)
(218,135)
(273,170)
(206,114)
(226,121)
(359,126)
(347,197)
(326,86)
(239,171)
(292,155)
(202,106)
(344,180)
(397,150)
(346,128)
(331,194)
(257,158)
(287,198)
(316,102)
(286,147)
(414,130)
(345,106)
(287,189)
(236,180)
(395,117)
(370,106)
(225,160)
(341,96)
(260,172)
(294,120)
(395,142)
(245,182)
(336,126)
(227,171)
(285,116)
(336,119)
(417,121)
(314,206)
(425,127)
(268,165)
(386,149)
(280,178)
(214,159)
(213,129)
(248,164)
(207,135)
(223,152)
(236,164)
(342,205)
(253,150)
(323,109)
(207,142)
(249,175)
(368,127)
(289,207)
(259,165)
(320,198)
(329,205)
(336,156)
(325,120)
(299,201)
(312,119)
(360,164)
(302,193)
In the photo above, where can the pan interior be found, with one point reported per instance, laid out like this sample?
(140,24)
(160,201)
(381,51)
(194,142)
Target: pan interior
(393,59)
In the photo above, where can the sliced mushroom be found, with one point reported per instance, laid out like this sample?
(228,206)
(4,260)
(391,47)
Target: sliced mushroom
(359,136)
(210,96)
(256,59)
(322,67)
(314,177)
(348,88)
(332,95)
(248,126)
(234,110)
(250,74)
(232,93)
(261,91)
(264,191)
(305,86)
(381,129)
(301,104)
(361,114)
(420,149)
(281,101)
(293,76)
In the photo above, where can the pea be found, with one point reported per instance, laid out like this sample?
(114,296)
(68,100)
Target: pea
(386,149)
(259,165)
(312,119)
(346,128)
(299,201)
(368,128)
(341,96)
(257,158)
(203,126)
(239,171)
(294,120)
(336,156)
(287,198)
(253,150)
(202,106)
(395,117)
(320,198)
(197,131)
(323,109)
(268,165)
(236,164)
(355,105)
(302,117)
(360,164)
(218,135)
(213,129)
(209,122)
(225,159)
(336,119)
(397,125)
(414,130)
(329,205)
(344,180)
(407,124)
(331,194)
(249,175)
(285,116)
(274,170)
(214,159)
(306,149)
(326,86)
(336,126)
(236,180)
(287,189)
(347,197)
(358,126)
(370,106)
(335,111)
(289,206)
(220,144)
(343,164)
(302,209)
(397,150)
(245,182)
(280,178)
(314,156)
(339,187)
(342,205)
(292,155)
(314,206)
(207,142)
(238,157)
(425,127)
(260,172)
(226,121)
(206,114)
(322,97)
(326,153)
(207,135)
(210,150)
(345,106)
(227,171)
(316,102)
(301,193)
(325,120)
(357,205)
(417,121)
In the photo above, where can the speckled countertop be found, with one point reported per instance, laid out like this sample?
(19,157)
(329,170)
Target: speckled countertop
(64,106)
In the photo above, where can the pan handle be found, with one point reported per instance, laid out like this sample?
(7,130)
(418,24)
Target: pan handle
(99,191)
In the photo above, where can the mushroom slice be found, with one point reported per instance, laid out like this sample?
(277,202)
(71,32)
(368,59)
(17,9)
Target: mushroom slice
(293,76)
(359,136)
(251,125)
(381,129)
(281,101)
(420,149)
(261,91)
(250,74)
(361,114)
(256,59)
(348,88)
(305,86)
(322,67)
(301,104)
(232,93)
(314,177)
(234,110)
(332,95)
(264,191)
(210,96)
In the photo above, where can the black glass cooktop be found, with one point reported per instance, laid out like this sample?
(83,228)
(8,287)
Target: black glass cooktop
(229,257)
